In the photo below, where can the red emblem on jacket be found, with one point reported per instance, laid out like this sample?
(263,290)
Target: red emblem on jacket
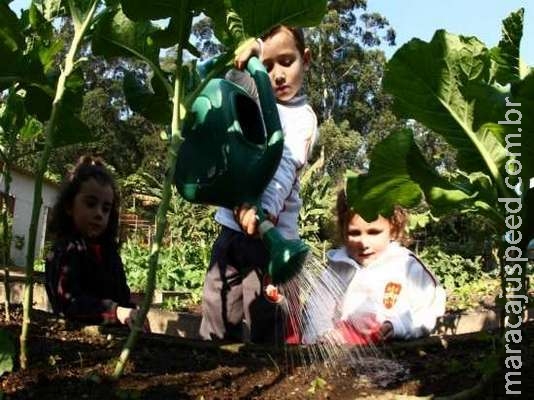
(391,293)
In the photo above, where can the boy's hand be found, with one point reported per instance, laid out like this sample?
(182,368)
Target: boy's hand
(251,50)
(386,331)
(245,216)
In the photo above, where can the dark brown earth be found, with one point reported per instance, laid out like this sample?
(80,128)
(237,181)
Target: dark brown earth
(72,362)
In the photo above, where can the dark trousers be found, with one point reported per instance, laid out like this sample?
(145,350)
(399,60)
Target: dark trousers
(233,304)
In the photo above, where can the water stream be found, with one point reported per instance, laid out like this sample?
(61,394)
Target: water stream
(313,300)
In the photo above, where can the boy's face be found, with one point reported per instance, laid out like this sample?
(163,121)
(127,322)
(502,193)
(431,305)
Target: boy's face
(91,208)
(285,64)
(366,241)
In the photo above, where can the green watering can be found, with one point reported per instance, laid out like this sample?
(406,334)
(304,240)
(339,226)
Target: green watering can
(230,154)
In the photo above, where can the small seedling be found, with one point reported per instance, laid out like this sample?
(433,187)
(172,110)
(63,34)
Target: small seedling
(316,385)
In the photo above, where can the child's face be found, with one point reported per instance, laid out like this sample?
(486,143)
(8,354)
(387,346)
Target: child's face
(366,241)
(91,208)
(284,63)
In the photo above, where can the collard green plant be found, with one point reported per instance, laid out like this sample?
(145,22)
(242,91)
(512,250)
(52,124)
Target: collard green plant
(479,100)
(29,52)
(453,85)
(126,30)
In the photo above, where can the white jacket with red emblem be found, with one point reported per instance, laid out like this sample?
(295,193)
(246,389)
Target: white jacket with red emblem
(396,287)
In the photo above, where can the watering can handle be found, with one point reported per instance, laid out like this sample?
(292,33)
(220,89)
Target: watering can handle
(265,93)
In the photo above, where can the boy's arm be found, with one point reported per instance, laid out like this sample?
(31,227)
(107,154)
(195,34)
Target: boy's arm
(298,139)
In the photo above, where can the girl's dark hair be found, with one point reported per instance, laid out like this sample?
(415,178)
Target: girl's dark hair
(61,224)
(298,35)
(398,220)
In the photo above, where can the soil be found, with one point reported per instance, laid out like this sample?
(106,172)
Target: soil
(73,362)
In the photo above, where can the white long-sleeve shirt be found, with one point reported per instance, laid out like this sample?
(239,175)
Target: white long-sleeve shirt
(281,198)
(396,287)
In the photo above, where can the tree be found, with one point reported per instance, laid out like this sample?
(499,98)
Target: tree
(344,81)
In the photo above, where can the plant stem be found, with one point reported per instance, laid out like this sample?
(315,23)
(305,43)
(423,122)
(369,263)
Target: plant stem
(6,173)
(161,215)
(41,169)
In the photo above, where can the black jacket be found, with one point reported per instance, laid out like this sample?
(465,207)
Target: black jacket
(84,280)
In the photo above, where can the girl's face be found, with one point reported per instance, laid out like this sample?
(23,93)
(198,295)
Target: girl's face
(366,241)
(285,64)
(91,208)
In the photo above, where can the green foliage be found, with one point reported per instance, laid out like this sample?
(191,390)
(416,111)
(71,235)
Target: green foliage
(181,267)
(454,86)
(317,385)
(452,270)
(317,196)
(186,250)
(342,147)
(466,234)
(468,286)
(7,352)
(474,294)
(28,66)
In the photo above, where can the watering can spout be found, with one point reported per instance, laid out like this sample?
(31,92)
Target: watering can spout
(287,256)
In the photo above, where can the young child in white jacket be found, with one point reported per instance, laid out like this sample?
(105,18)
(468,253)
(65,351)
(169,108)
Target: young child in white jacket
(387,291)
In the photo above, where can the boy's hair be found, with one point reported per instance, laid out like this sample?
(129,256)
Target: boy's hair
(61,224)
(398,220)
(298,35)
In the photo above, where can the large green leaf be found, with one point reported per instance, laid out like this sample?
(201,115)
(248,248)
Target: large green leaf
(388,182)
(116,35)
(259,16)
(70,130)
(12,113)
(142,10)
(45,45)
(399,175)
(506,55)
(11,47)
(39,101)
(11,37)
(523,93)
(154,105)
(431,83)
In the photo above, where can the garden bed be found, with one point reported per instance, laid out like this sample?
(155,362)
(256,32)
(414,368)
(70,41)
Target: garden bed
(71,362)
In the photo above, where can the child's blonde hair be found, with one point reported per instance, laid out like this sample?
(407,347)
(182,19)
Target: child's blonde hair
(398,220)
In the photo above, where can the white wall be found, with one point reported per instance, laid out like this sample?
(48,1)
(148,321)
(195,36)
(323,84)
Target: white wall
(22,190)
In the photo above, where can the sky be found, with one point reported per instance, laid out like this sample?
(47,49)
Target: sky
(480,18)
(421,18)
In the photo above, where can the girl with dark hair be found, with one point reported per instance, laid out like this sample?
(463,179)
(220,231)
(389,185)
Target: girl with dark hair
(85,279)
